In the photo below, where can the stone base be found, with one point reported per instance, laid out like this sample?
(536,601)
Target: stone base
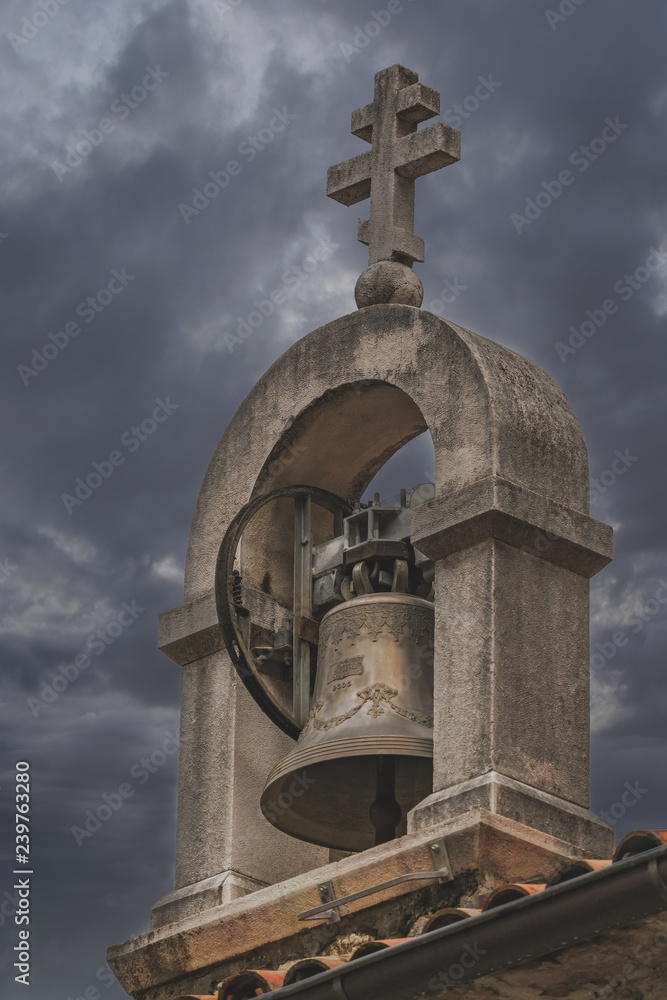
(579,828)
(204,895)
(262,929)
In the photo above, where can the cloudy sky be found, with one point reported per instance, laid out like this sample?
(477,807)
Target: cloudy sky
(121,297)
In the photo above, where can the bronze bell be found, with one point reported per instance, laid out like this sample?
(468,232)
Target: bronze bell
(365,756)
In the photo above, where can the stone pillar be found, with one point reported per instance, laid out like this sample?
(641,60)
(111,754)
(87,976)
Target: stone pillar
(512,659)
(225,848)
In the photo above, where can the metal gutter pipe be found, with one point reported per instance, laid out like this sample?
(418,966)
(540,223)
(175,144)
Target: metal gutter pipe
(518,932)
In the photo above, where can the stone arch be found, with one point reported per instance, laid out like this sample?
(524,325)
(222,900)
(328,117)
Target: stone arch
(490,411)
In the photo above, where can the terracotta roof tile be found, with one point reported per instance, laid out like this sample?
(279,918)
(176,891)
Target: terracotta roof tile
(639,841)
(578,868)
(252,982)
(443,918)
(304,968)
(371,947)
(514,890)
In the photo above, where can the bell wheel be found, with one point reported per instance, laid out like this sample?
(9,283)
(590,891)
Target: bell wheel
(275,665)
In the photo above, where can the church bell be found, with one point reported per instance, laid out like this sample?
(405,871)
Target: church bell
(365,755)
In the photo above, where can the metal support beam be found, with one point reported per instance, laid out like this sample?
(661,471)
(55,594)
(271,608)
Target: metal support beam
(303,605)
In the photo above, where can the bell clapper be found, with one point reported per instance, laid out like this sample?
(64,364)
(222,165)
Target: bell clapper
(385,812)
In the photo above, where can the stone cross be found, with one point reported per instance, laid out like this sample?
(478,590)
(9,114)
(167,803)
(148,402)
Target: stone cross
(386,174)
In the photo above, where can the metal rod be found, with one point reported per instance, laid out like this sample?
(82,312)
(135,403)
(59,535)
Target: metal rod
(326,909)
(385,812)
(303,606)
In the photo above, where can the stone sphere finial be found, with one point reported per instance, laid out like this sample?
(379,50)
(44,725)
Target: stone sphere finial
(389,282)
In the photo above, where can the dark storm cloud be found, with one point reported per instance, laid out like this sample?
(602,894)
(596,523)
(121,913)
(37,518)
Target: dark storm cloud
(163,337)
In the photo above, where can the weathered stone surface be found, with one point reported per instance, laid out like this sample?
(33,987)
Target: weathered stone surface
(197,952)
(511,671)
(389,282)
(191,632)
(400,155)
(199,896)
(223,766)
(536,524)
(496,793)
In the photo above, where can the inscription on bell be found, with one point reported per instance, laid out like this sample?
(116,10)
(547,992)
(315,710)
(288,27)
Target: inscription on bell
(345,668)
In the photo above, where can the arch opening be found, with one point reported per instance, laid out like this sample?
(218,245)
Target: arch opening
(339,443)
(411,466)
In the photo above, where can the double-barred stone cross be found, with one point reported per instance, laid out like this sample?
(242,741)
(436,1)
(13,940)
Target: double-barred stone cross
(400,154)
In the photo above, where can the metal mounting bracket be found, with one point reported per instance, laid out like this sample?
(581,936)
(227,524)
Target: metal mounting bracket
(329,910)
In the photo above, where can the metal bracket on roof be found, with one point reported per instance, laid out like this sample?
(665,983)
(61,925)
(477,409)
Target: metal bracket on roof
(326,912)
(330,907)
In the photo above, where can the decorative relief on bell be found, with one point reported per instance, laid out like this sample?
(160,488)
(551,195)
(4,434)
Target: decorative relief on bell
(376,695)
(346,668)
(375,619)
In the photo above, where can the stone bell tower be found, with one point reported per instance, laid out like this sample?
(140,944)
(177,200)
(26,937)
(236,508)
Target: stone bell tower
(500,559)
